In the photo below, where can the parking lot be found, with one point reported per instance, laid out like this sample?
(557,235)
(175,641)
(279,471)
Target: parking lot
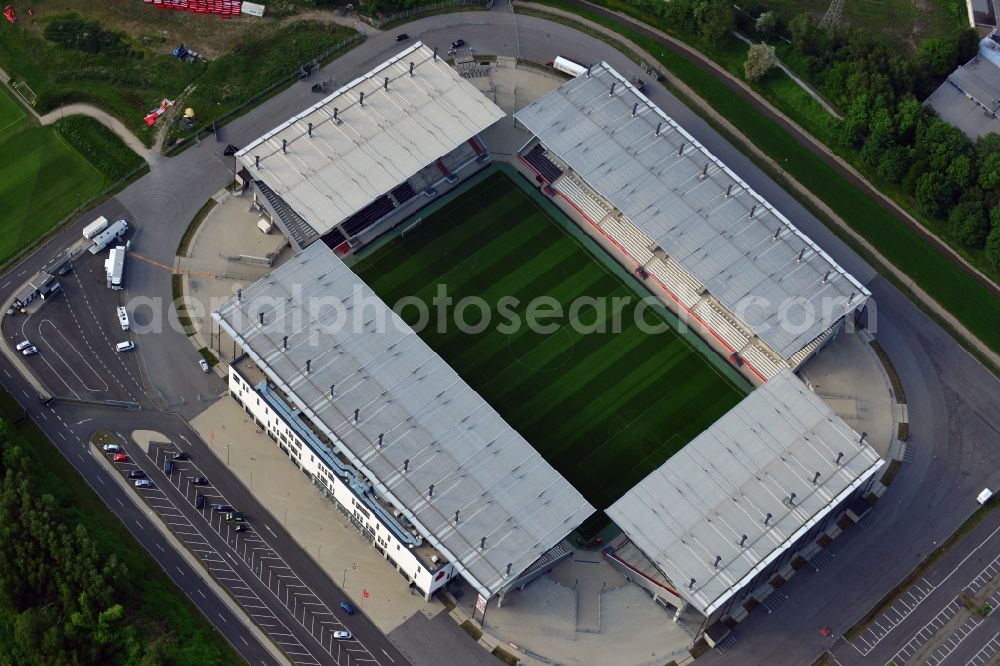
(241,559)
(75,332)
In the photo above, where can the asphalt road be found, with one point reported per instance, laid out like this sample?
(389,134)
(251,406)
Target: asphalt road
(952,398)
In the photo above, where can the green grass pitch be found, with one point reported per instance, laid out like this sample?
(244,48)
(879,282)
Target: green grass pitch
(12,114)
(604,409)
(45,181)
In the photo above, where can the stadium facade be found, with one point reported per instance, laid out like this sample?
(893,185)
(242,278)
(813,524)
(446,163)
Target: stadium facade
(730,518)
(370,154)
(691,228)
(421,465)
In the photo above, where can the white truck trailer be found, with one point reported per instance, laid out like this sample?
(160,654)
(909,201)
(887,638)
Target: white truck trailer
(568,66)
(103,239)
(114,267)
(95,227)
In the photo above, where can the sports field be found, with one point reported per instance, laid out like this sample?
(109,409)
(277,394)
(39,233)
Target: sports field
(604,408)
(12,114)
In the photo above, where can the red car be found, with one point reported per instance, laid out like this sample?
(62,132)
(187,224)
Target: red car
(119,457)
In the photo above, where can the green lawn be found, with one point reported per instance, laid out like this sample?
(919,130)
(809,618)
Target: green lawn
(41,181)
(604,409)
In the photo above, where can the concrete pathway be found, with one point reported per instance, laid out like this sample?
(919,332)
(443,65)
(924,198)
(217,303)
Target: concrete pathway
(101,116)
(795,77)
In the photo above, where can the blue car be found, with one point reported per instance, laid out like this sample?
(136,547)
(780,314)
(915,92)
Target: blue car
(347,607)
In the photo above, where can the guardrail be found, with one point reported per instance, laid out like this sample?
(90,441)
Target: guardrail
(423,9)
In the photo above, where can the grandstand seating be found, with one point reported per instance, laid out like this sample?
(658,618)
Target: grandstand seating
(722,324)
(543,165)
(403,193)
(635,243)
(763,361)
(224,8)
(333,238)
(806,351)
(587,204)
(680,283)
(368,215)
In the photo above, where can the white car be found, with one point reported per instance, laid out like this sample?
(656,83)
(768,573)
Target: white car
(28,351)
(23,344)
(342,635)
(125,346)
(143,483)
(111,448)
(204,365)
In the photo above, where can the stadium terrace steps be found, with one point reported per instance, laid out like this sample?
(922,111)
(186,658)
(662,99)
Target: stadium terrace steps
(763,362)
(806,351)
(722,325)
(588,205)
(685,288)
(634,242)
(543,165)
(300,230)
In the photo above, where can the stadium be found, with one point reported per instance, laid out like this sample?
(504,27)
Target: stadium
(490,454)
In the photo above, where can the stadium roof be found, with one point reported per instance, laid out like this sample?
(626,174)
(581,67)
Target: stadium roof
(699,505)
(377,144)
(458,453)
(757,267)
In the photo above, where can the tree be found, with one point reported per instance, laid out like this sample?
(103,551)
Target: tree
(989,173)
(993,240)
(968,224)
(766,24)
(716,19)
(938,56)
(760,59)
(931,194)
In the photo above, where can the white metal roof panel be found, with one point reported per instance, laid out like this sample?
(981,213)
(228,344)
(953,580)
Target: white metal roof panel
(373,146)
(759,266)
(723,485)
(361,356)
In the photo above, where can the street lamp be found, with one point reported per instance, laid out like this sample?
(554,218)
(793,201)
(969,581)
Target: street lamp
(343,583)
(227,453)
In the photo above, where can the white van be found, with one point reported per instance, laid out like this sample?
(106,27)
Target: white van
(123,318)
(125,346)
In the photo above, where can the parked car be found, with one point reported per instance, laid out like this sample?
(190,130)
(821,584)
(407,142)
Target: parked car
(235,517)
(28,351)
(402,37)
(199,501)
(220,507)
(136,474)
(347,607)
(240,527)
(111,448)
(199,481)
(457,44)
(119,457)
(204,365)
(22,345)
(181,455)
(125,346)
(342,635)
(168,467)
(143,483)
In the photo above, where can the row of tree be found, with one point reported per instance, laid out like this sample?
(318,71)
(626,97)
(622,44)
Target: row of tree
(879,84)
(61,601)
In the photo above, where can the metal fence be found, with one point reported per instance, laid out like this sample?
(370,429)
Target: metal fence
(378,22)
(208,129)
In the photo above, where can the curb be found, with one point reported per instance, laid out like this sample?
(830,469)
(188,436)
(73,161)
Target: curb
(192,561)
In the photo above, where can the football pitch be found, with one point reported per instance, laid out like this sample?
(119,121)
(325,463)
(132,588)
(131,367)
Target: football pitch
(605,404)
